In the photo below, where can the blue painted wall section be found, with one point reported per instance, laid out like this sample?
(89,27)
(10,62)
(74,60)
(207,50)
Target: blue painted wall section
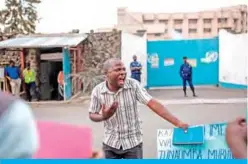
(205,72)
(67,72)
(232,86)
(214,146)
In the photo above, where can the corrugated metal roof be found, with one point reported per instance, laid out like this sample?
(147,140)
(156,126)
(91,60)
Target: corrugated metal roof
(44,41)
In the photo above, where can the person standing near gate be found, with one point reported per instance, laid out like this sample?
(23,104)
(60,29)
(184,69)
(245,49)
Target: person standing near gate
(29,80)
(13,74)
(114,102)
(135,67)
(186,75)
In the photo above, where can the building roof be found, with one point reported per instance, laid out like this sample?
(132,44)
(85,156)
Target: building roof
(44,41)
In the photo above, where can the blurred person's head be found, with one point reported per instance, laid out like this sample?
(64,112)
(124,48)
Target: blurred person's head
(28,65)
(18,131)
(185,59)
(134,58)
(11,63)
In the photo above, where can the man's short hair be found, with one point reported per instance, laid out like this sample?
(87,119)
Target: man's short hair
(185,57)
(109,64)
(11,62)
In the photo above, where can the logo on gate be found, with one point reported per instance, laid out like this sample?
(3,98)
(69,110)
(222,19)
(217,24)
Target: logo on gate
(210,57)
(153,59)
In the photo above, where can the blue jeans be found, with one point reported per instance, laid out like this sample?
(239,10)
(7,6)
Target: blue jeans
(18,133)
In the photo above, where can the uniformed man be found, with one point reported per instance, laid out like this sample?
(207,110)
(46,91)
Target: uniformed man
(186,75)
(135,67)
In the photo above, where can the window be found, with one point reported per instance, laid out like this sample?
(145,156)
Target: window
(192,30)
(178,21)
(235,21)
(207,30)
(207,21)
(222,20)
(163,21)
(192,21)
(166,31)
(178,30)
(148,21)
(157,34)
(228,29)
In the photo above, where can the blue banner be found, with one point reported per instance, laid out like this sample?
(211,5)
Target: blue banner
(214,146)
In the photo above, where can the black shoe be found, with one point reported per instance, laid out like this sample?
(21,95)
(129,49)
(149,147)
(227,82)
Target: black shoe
(194,95)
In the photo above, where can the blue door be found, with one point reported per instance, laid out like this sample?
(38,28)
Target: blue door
(67,73)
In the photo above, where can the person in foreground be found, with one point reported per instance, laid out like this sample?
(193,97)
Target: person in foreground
(236,138)
(114,101)
(18,133)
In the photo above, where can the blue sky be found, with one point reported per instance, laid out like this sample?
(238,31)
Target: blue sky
(64,15)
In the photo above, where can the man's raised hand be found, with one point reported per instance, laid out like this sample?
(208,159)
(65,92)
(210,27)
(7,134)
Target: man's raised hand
(108,112)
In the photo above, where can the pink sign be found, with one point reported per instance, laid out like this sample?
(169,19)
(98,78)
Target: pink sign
(63,141)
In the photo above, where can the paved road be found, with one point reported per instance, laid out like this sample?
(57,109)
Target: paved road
(193,114)
(211,93)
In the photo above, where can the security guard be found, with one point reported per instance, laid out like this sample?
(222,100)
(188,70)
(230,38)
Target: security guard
(29,80)
(135,67)
(186,75)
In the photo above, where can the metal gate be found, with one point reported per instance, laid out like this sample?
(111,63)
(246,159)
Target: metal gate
(165,59)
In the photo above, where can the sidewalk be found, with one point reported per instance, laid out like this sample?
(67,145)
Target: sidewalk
(204,101)
(202,93)
(175,96)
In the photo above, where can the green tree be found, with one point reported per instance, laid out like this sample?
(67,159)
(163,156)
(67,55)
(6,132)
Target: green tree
(20,16)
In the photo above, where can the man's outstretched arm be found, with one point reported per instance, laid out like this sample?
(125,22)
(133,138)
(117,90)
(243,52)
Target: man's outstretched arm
(144,98)
(160,110)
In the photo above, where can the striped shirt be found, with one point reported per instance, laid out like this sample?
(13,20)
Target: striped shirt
(123,129)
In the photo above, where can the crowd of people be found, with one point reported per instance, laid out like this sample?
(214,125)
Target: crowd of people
(113,102)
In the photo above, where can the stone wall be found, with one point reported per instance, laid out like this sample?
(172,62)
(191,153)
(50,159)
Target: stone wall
(95,50)
(99,47)
(8,54)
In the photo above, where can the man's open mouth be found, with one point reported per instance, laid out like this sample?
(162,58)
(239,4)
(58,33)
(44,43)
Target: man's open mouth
(121,80)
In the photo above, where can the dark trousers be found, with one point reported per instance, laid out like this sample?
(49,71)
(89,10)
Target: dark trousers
(133,153)
(189,81)
(31,91)
(136,76)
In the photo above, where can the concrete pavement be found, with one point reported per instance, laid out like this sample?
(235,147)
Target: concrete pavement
(192,113)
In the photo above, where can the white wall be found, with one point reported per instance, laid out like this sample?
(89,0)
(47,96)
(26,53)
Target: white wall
(233,52)
(134,45)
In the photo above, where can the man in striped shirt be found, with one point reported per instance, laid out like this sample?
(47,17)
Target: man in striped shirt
(114,102)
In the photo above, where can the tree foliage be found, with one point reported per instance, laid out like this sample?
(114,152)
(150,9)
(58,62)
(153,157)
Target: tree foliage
(19,16)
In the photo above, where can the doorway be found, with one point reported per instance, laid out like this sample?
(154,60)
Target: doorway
(50,66)
(49,71)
